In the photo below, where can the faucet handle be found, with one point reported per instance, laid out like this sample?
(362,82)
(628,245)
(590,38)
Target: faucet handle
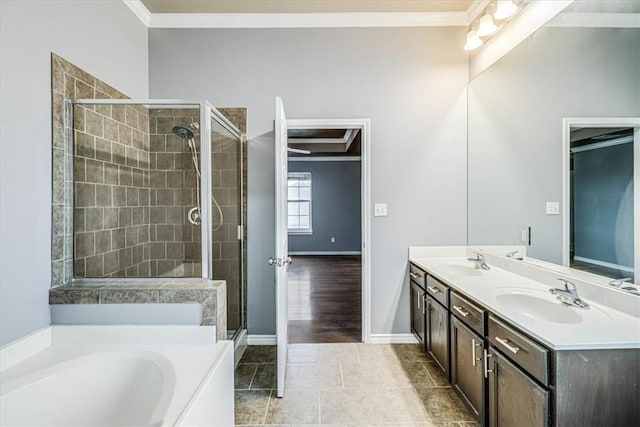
(512,254)
(566,283)
(618,282)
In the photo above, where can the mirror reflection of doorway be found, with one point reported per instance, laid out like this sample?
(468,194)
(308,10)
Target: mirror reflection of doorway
(602,201)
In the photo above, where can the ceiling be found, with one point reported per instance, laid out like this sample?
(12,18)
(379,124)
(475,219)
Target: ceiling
(305,6)
(325,142)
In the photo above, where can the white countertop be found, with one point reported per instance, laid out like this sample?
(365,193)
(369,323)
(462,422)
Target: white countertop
(600,327)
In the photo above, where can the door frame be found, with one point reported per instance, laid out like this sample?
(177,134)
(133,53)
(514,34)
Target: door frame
(597,122)
(365,196)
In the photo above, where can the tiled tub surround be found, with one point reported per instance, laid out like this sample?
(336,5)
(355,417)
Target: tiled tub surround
(211,294)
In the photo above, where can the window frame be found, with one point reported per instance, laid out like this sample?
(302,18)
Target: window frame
(301,176)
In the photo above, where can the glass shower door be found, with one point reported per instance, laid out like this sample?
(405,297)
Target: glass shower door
(226,209)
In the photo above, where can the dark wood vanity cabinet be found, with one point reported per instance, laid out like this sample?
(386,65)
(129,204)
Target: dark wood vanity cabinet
(467,357)
(514,399)
(417,299)
(507,378)
(418,312)
(437,333)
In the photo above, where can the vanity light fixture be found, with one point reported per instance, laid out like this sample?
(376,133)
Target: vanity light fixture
(505,9)
(473,41)
(481,30)
(487,26)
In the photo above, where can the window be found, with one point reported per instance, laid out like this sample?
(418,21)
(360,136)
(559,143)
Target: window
(299,203)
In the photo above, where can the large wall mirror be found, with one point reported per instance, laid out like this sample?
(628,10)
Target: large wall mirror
(554,142)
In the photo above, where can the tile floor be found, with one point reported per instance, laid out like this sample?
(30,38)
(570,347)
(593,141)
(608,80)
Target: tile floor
(346,384)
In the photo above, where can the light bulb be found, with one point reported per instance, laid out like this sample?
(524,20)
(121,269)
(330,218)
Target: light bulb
(505,9)
(487,27)
(473,41)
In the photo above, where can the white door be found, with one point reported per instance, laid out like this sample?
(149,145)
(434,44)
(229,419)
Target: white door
(281,260)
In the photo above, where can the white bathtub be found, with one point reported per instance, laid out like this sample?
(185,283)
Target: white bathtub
(117,375)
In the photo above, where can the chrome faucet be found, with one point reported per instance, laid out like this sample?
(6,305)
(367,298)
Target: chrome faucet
(569,295)
(513,255)
(479,261)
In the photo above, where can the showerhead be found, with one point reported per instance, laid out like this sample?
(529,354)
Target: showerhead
(183,132)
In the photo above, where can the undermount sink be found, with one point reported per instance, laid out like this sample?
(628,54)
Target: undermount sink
(540,305)
(460,270)
(538,308)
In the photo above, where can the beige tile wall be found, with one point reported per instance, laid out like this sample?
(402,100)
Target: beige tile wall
(175,248)
(111,194)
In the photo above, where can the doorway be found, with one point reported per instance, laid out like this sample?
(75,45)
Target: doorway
(601,195)
(327,219)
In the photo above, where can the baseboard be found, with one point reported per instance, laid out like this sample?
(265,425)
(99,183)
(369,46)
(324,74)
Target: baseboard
(261,339)
(604,264)
(393,339)
(325,253)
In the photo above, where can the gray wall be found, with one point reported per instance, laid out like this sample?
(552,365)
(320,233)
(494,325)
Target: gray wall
(603,204)
(411,83)
(335,207)
(105,39)
(516,109)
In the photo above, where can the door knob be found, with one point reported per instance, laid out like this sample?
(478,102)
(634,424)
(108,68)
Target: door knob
(275,261)
(288,260)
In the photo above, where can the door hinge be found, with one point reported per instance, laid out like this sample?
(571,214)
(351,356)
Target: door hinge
(240,232)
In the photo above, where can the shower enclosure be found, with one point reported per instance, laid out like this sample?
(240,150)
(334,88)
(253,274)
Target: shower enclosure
(158,193)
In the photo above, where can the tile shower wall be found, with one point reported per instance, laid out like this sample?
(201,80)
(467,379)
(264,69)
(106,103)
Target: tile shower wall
(111,194)
(175,248)
(70,82)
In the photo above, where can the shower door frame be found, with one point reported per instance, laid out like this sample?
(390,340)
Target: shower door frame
(207,113)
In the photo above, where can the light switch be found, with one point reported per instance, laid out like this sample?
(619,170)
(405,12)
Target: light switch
(380,209)
(553,208)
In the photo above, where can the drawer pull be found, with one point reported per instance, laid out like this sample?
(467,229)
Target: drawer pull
(432,289)
(505,343)
(461,311)
(415,276)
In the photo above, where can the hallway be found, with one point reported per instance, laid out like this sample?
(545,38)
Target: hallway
(325,299)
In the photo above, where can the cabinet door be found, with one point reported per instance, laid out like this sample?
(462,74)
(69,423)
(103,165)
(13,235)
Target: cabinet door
(438,333)
(417,312)
(467,377)
(514,398)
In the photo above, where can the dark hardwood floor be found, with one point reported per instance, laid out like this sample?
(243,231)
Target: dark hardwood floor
(325,299)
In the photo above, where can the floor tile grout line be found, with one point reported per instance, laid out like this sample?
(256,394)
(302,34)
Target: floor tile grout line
(255,372)
(266,411)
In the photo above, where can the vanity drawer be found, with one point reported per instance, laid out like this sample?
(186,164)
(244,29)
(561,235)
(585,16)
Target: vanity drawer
(470,314)
(531,356)
(438,290)
(417,274)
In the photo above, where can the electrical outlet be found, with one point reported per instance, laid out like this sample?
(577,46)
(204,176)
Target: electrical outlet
(553,208)
(380,209)
(333,240)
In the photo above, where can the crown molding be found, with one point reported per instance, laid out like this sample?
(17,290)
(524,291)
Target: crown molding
(140,10)
(306,20)
(303,20)
(476,8)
